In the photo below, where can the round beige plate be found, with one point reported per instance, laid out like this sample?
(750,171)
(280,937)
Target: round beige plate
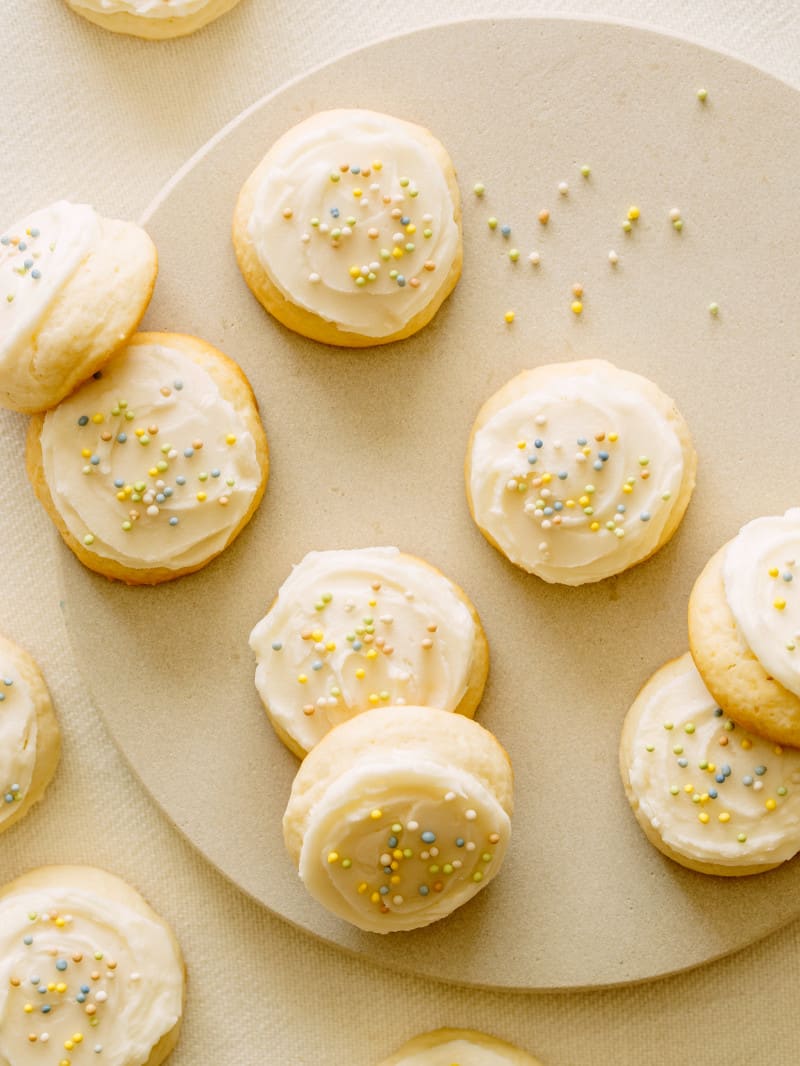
(367,448)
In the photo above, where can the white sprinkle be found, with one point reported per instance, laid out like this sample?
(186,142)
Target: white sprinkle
(387,619)
(101,996)
(434,853)
(511,484)
(399,702)
(313,278)
(543,546)
(347,231)
(424,855)
(470,815)
(534,258)
(456,864)
(324,227)
(43,1038)
(547,524)
(412,826)
(758,785)
(563,188)
(449,796)
(613,258)
(580,457)
(397,900)
(674,214)
(305,238)
(152,510)
(470,846)
(540,420)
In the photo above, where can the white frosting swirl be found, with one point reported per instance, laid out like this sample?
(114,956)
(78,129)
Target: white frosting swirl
(154,9)
(38,256)
(714,793)
(18,739)
(149,464)
(354,221)
(574,478)
(399,841)
(761,572)
(351,630)
(83,977)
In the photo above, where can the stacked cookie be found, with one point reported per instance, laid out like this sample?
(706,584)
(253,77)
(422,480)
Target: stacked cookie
(708,752)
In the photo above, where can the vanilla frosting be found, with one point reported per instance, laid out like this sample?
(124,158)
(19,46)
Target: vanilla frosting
(574,478)
(83,978)
(149,464)
(459,1052)
(351,630)
(714,793)
(18,738)
(401,839)
(38,256)
(154,9)
(354,221)
(761,572)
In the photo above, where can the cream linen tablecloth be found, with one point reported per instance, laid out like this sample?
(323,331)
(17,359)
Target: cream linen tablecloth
(90,116)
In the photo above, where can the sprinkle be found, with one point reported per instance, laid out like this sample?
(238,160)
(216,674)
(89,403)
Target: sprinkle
(509,317)
(505,230)
(479,189)
(534,259)
(702,95)
(585,171)
(576,307)
(513,255)
(544,216)
(633,213)
(563,188)
(492,223)
(713,309)
(613,258)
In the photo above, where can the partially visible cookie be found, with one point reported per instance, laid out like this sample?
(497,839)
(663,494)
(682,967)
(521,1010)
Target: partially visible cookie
(152,468)
(458,1047)
(744,627)
(349,229)
(706,793)
(154,19)
(88,972)
(73,288)
(400,815)
(577,471)
(30,741)
(362,628)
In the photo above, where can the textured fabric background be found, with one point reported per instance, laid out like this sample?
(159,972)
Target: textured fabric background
(105,119)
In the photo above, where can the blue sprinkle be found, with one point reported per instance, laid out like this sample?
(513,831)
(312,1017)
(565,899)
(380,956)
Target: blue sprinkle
(168,492)
(355,170)
(34,232)
(276,645)
(22,246)
(747,780)
(46,1008)
(35,980)
(188,452)
(683,761)
(8,681)
(173,521)
(713,793)
(36,274)
(83,420)
(547,510)
(8,797)
(61,964)
(506,231)
(28,263)
(387,869)
(459,842)
(2,696)
(42,989)
(718,712)
(215,472)
(558,506)
(645,516)
(761,770)
(786,575)
(85,989)
(597,464)
(80,998)
(180,479)
(532,459)
(429,837)
(620,508)
(122,437)
(178,385)
(317,665)
(581,441)
(335,212)
(357,645)
(393,842)
(118,482)
(719,778)
(726,770)
(603,456)
(423,890)
(401,280)
(160,497)
(95,460)
(404,221)
(27,940)
(562,475)
(5,240)
(384,889)
(538,443)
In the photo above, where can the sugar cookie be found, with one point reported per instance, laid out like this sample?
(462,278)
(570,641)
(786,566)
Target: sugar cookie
(87,971)
(458,1047)
(30,741)
(73,288)
(154,19)
(744,627)
(349,230)
(400,815)
(577,471)
(351,630)
(707,794)
(154,467)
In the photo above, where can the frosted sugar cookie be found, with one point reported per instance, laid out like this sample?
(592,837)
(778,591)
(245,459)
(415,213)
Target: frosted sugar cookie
(73,288)
(351,630)
(708,794)
(88,972)
(152,18)
(744,627)
(458,1047)
(576,471)
(30,742)
(349,230)
(152,468)
(399,816)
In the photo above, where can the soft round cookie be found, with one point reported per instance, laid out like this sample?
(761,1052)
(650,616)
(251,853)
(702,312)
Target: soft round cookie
(458,1047)
(73,288)
(744,627)
(706,793)
(349,229)
(87,972)
(577,471)
(151,469)
(30,741)
(153,19)
(351,630)
(399,816)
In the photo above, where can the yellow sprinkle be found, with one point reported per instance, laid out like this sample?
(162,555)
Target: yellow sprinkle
(613,437)
(330,646)
(522,444)
(688,788)
(569,503)
(68,1045)
(201,496)
(138,432)
(359,673)
(77,1037)
(87,454)
(397,252)
(377,164)
(153,471)
(586,450)
(376,814)
(633,213)
(333,856)
(576,307)
(362,888)
(317,635)
(703,817)
(28,1008)
(411,228)
(230,439)
(301,679)
(779,605)
(770,804)
(627,488)
(375,897)
(373,697)
(724,816)
(357,193)
(546,479)
(747,743)
(355,271)
(584,501)
(97,419)
(773,571)
(594,527)
(61,987)
(509,317)
(397,854)
(372,654)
